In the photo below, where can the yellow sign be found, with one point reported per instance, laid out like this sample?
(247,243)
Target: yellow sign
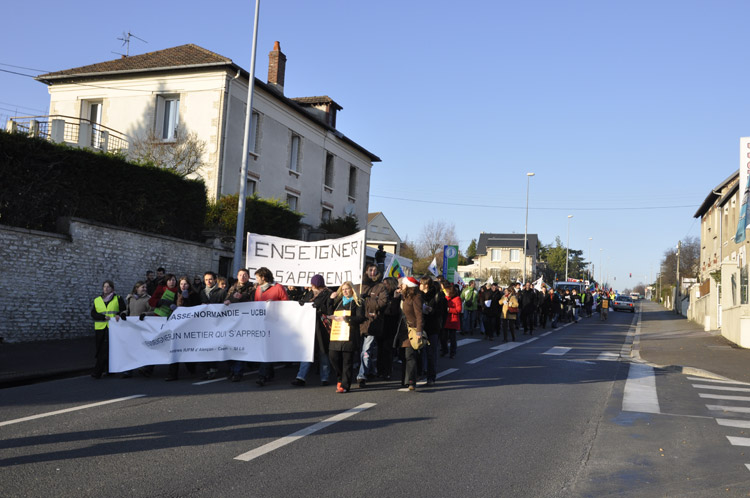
(340,329)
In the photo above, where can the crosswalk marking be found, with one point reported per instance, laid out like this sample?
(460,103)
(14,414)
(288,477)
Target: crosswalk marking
(730,422)
(717,381)
(557,351)
(640,390)
(722,388)
(739,441)
(734,409)
(608,356)
(722,396)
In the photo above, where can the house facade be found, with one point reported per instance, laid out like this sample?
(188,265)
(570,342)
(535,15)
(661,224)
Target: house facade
(500,255)
(381,232)
(297,154)
(721,298)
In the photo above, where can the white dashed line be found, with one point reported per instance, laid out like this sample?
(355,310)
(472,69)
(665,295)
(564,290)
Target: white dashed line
(739,441)
(733,409)
(68,410)
(267,448)
(721,396)
(730,422)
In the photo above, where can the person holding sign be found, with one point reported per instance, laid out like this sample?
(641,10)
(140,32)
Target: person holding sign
(320,297)
(106,306)
(347,316)
(412,307)
(164,299)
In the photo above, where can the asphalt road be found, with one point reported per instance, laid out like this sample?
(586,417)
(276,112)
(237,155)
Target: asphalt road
(560,414)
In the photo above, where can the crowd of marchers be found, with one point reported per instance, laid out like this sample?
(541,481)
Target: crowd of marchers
(388,321)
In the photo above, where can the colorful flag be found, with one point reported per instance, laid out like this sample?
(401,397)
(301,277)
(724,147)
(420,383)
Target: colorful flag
(433,267)
(395,269)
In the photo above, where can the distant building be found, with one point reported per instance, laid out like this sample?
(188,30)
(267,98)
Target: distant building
(500,255)
(297,153)
(380,232)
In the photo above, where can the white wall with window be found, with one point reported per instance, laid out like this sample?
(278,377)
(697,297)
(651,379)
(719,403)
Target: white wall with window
(167,115)
(294,153)
(292,201)
(515,255)
(496,255)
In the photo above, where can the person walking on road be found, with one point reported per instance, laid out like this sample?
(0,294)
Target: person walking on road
(349,313)
(106,307)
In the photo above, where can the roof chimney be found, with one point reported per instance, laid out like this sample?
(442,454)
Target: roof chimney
(276,68)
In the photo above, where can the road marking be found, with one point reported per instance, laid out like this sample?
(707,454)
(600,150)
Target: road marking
(722,408)
(722,396)
(640,390)
(557,351)
(722,388)
(267,448)
(608,356)
(739,441)
(67,410)
(500,349)
(546,333)
(701,379)
(730,422)
(464,342)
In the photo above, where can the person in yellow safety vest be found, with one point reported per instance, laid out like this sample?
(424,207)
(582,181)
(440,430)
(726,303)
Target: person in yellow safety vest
(107,306)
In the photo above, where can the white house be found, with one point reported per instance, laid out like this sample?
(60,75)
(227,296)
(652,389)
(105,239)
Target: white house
(299,155)
(500,255)
(381,232)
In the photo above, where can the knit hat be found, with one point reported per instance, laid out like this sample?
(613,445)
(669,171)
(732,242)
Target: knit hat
(410,282)
(318,281)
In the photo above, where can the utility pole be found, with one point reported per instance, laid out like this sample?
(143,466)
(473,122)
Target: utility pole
(677,291)
(567,249)
(526,227)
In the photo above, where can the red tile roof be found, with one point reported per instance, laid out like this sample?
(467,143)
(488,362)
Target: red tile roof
(170,58)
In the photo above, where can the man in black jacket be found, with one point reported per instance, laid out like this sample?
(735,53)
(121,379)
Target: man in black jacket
(527,301)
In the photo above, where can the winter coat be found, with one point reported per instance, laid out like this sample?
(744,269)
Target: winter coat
(375,295)
(510,302)
(453,318)
(323,307)
(354,320)
(412,307)
(137,304)
(213,295)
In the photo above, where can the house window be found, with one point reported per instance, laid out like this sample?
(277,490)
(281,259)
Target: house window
(254,136)
(294,154)
(352,182)
(251,186)
(326,216)
(291,201)
(495,255)
(515,255)
(328,176)
(170,117)
(95,118)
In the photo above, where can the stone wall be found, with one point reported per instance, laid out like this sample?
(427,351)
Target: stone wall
(49,280)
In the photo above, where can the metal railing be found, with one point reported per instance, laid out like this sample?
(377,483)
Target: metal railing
(70,130)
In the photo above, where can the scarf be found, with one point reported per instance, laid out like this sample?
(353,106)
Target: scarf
(108,297)
(347,300)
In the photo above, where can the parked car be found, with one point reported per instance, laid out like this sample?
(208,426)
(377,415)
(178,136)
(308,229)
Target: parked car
(623,303)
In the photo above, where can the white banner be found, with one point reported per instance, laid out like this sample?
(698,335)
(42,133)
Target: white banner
(294,262)
(256,331)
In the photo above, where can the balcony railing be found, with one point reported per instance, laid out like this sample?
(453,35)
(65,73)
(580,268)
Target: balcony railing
(70,130)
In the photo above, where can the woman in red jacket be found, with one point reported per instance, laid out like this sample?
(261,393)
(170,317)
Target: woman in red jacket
(452,318)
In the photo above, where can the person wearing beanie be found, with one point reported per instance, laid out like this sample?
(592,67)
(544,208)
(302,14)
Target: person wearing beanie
(320,297)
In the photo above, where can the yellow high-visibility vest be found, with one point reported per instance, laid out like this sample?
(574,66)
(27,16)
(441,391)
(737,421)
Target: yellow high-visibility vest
(110,309)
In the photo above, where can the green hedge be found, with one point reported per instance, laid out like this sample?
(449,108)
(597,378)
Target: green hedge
(41,181)
(264,216)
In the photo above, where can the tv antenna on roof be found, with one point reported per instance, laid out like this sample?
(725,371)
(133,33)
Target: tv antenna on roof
(125,38)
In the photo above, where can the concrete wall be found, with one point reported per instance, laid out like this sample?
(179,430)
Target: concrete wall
(704,306)
(51,279)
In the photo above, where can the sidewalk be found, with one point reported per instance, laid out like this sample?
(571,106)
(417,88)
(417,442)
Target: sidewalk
(28,362)
(668,340)
(665,340)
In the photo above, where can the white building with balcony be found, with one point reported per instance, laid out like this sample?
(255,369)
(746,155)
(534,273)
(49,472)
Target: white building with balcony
(298,154)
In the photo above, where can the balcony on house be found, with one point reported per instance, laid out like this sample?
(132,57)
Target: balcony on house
(68,130)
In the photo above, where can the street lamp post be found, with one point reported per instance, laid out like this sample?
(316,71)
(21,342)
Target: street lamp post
(526,227)
(567,249)
(591,277)
(601,282)
(240,230)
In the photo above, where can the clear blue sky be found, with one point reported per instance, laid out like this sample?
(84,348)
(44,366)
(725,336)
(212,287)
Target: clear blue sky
(633,106)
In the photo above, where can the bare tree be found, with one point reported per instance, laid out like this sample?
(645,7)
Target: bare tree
(690,251)
(435,234)
(183,155)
